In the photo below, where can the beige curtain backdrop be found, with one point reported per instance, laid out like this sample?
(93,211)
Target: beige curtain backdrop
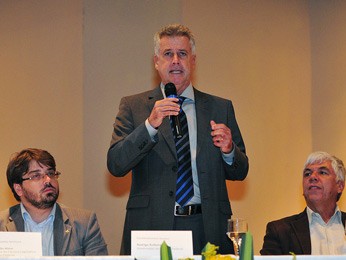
(65,64)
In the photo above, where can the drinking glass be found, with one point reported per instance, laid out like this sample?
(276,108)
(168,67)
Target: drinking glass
(236,228)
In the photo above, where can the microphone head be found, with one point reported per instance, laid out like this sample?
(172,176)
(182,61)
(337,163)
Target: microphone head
(170,90)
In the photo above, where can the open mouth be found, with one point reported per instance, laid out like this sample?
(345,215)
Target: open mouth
(175,71)
(314,188)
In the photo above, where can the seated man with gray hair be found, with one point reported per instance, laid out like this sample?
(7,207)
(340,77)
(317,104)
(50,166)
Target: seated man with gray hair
(319,229)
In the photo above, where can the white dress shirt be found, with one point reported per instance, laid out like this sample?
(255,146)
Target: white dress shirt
(326,238)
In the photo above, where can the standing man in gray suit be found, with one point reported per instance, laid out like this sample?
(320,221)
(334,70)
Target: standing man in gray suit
(144,142)
(33,179)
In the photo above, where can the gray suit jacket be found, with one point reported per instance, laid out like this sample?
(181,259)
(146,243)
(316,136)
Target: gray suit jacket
(154,166)
(290,234)
(76,231)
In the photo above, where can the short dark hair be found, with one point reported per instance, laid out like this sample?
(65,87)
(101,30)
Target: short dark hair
(19,165)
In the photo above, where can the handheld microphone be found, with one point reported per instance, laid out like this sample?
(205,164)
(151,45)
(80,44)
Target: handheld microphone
(171,92)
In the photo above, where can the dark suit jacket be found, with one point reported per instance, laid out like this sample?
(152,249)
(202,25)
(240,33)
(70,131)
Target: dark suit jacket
(154,166)
(76,231)
(290,234)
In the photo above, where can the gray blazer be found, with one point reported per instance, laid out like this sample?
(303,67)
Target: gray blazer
(76,231)
(154,166)
(289,234)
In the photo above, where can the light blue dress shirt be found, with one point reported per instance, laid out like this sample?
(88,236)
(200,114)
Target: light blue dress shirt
(45,228)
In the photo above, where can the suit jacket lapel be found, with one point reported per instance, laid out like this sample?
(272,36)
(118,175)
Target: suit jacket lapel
(203,124)
(11,227)
(165,130)
(302,232)
(62,232)
(343,218)
(16,222)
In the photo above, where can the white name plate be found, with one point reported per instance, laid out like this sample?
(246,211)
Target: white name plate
(147,244)
(19,244)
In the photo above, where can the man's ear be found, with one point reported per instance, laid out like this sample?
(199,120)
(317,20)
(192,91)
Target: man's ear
(341,186)
(155,61)
(194,60)
(18,189)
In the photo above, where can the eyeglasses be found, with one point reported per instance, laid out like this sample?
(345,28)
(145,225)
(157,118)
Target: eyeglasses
(39,176)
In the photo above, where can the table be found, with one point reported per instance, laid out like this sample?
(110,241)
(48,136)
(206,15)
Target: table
(281,257)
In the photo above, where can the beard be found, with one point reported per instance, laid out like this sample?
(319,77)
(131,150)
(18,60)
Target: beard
(42,201)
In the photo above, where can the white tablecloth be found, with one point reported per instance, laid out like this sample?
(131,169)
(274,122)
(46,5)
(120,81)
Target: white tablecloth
(287,257)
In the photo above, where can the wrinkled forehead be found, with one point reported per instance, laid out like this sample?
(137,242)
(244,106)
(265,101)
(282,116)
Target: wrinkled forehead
(319,165)
(176,43)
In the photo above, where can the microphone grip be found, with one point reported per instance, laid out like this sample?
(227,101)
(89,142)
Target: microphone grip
(175,119)
(177,127)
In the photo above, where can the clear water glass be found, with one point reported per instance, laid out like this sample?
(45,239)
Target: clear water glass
(236,228)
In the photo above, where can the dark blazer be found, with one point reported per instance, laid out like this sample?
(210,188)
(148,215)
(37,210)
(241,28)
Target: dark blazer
(76,231)
(154,166)
(290,234)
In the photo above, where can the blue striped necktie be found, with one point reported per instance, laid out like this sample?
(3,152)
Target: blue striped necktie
(184,191)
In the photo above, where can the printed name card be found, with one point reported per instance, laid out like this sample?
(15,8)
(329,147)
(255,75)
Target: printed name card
(19,244)
(146,244)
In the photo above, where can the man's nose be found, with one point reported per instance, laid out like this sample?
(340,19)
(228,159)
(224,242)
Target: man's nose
(313,177)
(46,177)
(175,58)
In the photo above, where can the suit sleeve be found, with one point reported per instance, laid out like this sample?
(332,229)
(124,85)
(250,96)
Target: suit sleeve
(271,243)
(240,166)
(94,243)
(130,143)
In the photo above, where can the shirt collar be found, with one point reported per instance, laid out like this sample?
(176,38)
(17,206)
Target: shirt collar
(187,93)
(311,214)
(26,216)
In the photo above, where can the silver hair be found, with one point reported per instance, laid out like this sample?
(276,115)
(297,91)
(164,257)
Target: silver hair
(336,163)
(173,30)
